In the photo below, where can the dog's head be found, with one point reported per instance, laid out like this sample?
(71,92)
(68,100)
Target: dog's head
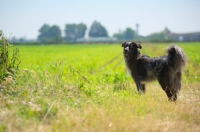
(131,48)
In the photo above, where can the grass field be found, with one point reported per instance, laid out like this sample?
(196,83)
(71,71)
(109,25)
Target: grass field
(85,87)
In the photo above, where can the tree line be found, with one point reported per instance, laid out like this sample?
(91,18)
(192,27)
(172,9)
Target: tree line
(53,34)
(97,32)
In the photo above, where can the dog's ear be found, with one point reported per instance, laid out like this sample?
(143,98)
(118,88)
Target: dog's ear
(138,45)
(123,44)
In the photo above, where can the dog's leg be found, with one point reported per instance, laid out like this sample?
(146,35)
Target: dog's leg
(143,88)
(172,95)
(140,87)
(176,86)
(169,88)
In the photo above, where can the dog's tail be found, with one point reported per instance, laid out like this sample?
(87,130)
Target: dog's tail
(176,57)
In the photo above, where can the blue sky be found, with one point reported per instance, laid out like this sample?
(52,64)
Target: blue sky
(23,18)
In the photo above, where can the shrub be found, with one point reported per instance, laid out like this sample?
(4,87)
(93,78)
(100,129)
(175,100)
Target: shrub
(8,66)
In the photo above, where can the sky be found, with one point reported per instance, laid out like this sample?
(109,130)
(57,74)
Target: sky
(24,18)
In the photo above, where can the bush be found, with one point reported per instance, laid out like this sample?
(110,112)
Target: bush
(8,66)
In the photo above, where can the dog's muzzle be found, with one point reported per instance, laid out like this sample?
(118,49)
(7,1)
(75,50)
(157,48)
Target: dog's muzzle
(127,48)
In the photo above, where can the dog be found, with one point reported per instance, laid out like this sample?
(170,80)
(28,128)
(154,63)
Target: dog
(166,69)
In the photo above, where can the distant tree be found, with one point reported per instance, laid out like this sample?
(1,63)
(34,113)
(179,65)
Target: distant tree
(74,31)
(81,30)
(22,40)
(156,37)
(97,30)
(44,33)
(128,34)
(50,34)
(119,36)
(55,34)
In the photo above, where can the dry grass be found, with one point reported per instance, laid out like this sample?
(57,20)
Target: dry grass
(123,110)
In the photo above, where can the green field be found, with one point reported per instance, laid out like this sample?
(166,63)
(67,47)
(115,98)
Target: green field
(85,87)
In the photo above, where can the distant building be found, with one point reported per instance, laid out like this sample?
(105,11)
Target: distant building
(187,37)
(96,40)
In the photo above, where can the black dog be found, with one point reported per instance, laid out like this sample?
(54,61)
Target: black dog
(166,69)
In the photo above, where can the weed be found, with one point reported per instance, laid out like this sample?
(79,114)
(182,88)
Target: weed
(8,66)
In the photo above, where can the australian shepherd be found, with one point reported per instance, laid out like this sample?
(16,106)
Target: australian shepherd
(166,69)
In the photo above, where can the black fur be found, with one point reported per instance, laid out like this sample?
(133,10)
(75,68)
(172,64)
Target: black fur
(166,69)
